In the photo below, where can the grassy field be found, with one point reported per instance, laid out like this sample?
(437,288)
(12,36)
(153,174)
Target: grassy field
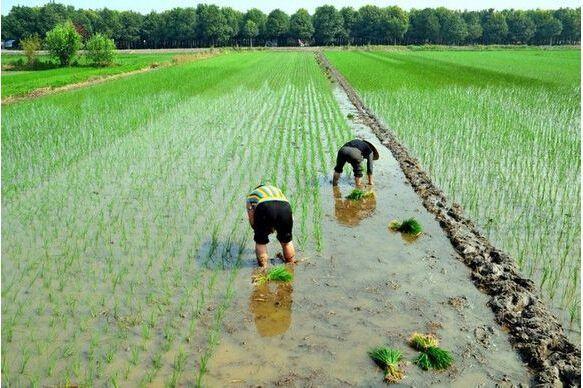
(123,216)
(499,131)
(22,82)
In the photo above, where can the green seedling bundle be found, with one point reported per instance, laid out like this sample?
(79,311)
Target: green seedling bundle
(431,356)
(388,359)
(358,194)
(410,226)
(278,273)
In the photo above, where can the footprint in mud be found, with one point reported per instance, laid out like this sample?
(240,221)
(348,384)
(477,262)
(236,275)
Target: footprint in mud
(484,335)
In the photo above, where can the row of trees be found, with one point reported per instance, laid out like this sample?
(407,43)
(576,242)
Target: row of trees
(210,25)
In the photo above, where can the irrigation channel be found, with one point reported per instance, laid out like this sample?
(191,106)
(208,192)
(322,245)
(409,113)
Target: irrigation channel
(368,287)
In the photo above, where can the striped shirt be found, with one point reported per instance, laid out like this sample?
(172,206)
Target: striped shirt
(265,193)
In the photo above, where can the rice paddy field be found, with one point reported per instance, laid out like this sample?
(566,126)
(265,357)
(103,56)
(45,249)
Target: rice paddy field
(123,213)
(127,254)
(499,132)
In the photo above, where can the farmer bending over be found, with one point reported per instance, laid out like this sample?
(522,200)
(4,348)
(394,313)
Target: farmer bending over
(268,210)
(354,152)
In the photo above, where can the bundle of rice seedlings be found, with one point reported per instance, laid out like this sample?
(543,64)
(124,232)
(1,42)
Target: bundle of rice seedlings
(279,273)
(388,359)
(358,194)
(411,226)
(432,356)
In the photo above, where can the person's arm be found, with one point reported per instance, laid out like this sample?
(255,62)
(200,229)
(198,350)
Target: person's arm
(250,214)
(369,161)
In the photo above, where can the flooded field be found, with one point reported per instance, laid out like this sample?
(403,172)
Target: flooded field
(128,259)
(124,228)
(499,133)
(368,287)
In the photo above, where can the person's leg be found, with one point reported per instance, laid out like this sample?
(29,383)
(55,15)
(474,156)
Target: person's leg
(357,174)
(289,252)
(284,226)
(340,162)
(261,254)
(262,227)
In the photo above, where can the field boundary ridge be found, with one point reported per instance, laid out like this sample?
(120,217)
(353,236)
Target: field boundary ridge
(178,59)
(534,331)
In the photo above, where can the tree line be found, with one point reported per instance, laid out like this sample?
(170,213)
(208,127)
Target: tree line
(210,25)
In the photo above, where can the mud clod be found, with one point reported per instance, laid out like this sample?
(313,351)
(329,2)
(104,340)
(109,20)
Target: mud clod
(533,330)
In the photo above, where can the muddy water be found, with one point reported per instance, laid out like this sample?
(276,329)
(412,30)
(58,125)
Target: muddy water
(369,287)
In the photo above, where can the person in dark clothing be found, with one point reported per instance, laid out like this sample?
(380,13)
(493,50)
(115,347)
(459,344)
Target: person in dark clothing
(354,152)
(269,211)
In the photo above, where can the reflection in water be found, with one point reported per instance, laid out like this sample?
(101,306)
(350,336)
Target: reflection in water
(350,213)
(271,305)
(410,238)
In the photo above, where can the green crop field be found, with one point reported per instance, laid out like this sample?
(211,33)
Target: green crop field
(123,212)
(499,132)
(16,83)
(123,218)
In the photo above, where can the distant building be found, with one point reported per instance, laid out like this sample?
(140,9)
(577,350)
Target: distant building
(8,43)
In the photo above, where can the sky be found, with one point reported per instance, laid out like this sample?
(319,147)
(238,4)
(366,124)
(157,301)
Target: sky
(145,6)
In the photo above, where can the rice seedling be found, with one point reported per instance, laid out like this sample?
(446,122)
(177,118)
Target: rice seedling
(278,273)
(410,226)
(358,194)
(431,356)
(388,359)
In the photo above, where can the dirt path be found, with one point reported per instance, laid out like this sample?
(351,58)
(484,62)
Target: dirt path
(368,287)
(533,330)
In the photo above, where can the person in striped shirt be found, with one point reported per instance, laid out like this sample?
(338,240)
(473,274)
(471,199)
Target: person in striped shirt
(269,210)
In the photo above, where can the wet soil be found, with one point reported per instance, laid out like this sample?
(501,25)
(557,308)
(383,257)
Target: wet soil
(532,329)
(369,287)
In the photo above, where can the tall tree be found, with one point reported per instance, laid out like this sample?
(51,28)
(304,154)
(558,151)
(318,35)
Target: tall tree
(83,23)
(277,25)
(394,22)
(349,18)
(473,26)
(152,31)
(328,25)
(495,27)
(130,27)
(424,26)
(520,27)
(369,27)
(211,24)
(571,21)
(547,26)
(21,21)
(108,23)
(250,31)
(52,14)
(257,17)
(300,25)
(452,27)
(234,20)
